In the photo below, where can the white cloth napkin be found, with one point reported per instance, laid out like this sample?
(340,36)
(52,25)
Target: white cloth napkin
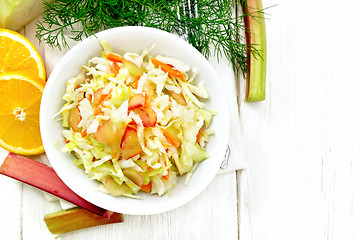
(227,77)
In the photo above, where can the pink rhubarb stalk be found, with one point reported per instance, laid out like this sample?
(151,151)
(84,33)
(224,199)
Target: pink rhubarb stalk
(44,177)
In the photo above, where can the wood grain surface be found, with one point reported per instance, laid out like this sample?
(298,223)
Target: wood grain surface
(301,147)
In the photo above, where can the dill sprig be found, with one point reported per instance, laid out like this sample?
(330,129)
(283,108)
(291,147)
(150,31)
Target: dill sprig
(209,25)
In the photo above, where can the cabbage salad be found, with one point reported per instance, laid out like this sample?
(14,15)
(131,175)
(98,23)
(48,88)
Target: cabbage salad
(136,122)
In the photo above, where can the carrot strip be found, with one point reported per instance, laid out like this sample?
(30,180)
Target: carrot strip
(198,135)
(89,97)
(84,133)
(166,177)
(103,98)
(114,68)
(172,140)
(166,68)
(137,78)
(98,110)
(115,58)
(147,187)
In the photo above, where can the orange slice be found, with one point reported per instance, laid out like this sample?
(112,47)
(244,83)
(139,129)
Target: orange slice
(17,53)
(19,113)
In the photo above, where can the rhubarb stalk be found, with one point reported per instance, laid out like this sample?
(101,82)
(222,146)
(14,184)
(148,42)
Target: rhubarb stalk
(255,38)
(65,221)
(44,177)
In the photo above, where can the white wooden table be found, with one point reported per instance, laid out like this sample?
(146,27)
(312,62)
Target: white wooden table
(302,147)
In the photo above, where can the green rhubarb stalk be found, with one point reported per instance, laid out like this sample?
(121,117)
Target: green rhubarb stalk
(255,38)
(73,219)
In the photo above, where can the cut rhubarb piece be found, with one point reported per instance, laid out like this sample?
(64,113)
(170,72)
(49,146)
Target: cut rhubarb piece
(97,96)
(110,134)
(133,68)
(144,116)
(134,176)
(74,119)
(179,98)
(147,115)
(149,94)
(130,145)
(73,219)
(136,101)
(43,177)
(255,37)
(103,98)
(115,189)
(153,117)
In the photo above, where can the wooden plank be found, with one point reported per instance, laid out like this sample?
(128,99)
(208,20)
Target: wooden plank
(302,142)
(35,207)
(11,207)
(11,204)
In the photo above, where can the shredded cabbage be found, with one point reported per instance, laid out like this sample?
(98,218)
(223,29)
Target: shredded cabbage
(133,127)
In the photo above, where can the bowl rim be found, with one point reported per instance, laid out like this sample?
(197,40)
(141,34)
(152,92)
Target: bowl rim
(48,148)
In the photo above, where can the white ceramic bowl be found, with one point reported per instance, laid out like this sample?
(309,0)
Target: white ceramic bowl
(132,39)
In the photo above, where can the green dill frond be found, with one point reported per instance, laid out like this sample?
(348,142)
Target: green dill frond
(211,26)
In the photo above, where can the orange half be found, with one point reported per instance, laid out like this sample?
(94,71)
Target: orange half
(17,53)
(19,114)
